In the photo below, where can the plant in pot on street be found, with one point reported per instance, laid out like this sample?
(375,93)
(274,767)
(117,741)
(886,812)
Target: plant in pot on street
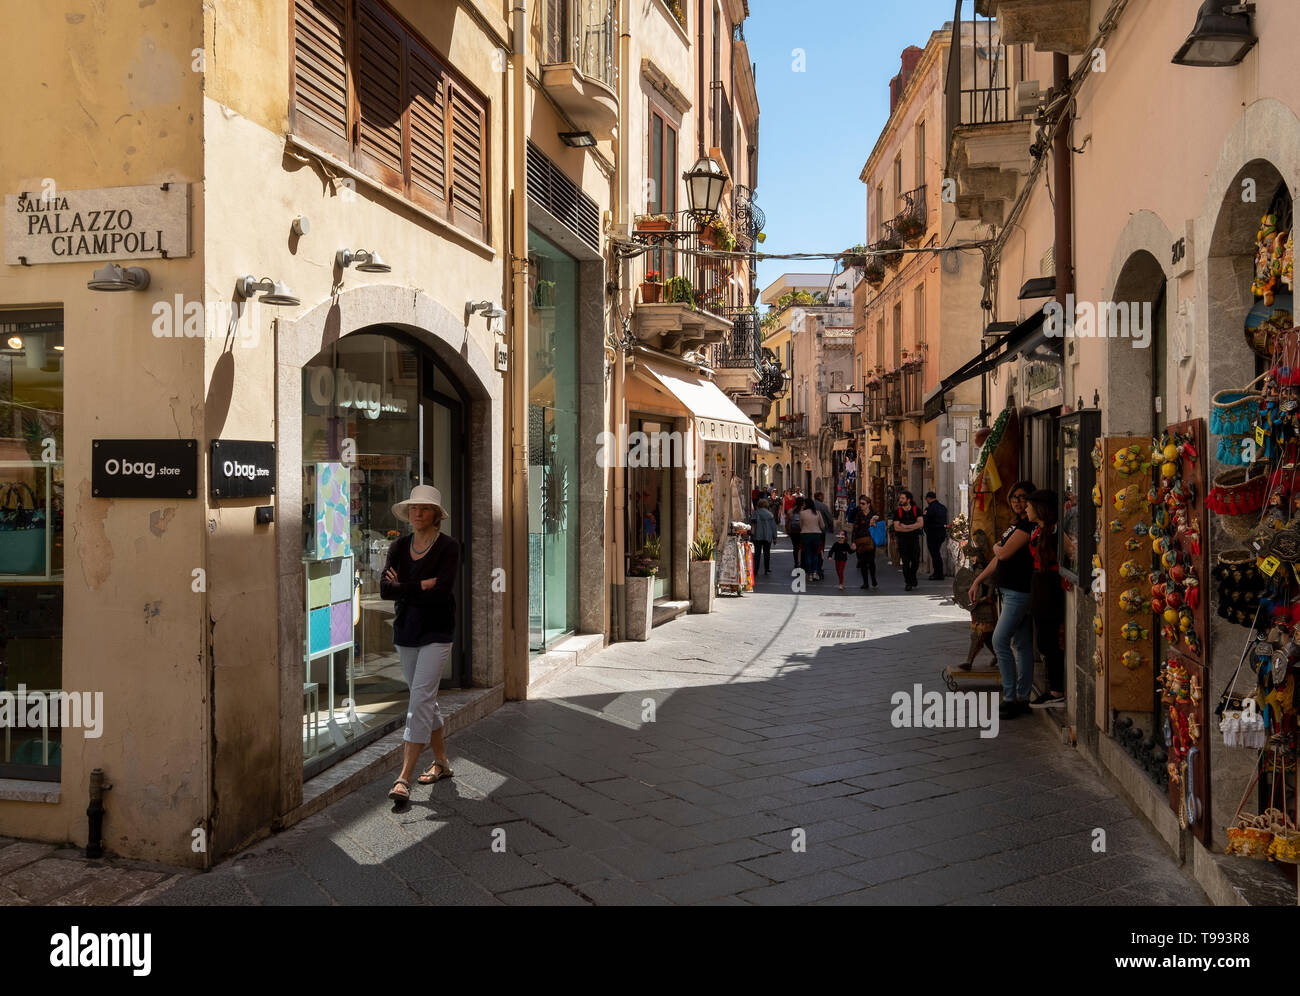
(643,565)
(702,549)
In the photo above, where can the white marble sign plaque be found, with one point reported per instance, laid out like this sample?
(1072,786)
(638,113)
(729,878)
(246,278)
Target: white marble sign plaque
(111,223)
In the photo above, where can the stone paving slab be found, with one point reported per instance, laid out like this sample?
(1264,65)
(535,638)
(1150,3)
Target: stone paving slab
(771,775)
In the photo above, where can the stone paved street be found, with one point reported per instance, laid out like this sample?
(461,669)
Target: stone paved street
(760,727)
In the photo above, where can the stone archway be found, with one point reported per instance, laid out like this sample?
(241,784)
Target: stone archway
(445,334)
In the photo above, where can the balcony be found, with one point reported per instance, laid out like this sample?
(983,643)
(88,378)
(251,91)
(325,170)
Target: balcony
(1048,25)
(581,69)
(744,370)
(913,391)
(683,299)
(894,397)
(875,413)
(749,218)
(912,222)
(794,429)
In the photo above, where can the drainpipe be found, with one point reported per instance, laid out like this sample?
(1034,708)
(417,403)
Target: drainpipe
(95,838)
(516,378)
(1061,183)
(699,89)
(623,213)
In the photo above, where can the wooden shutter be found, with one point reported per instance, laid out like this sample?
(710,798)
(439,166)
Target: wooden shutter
(426,101)
(320,90)
(379,95)
(468,157)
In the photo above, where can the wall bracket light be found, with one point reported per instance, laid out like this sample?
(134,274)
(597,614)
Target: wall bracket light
(116,278)
(274,292)
(1221,37)
(367,260)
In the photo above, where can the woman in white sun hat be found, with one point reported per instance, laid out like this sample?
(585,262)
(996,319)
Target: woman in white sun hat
(418,576)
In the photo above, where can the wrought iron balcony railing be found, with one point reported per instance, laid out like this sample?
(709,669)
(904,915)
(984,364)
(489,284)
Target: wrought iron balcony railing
(742,346)
(913,391)
(913,218)
(893,395)
(749,217)
(585,33)
(794,427)
(715,284)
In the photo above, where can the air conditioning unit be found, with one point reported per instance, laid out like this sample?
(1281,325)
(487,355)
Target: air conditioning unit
(1028,98)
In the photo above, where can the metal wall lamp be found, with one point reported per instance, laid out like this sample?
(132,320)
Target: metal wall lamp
(1222,35)
(116,278)
(274,292)
(367,260)
(490,311)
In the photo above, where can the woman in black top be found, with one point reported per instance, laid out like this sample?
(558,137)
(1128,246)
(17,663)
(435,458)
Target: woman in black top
(419,575)
(907,529)
(1013,640)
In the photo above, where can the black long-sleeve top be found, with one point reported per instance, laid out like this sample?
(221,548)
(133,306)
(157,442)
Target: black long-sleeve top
(422,616)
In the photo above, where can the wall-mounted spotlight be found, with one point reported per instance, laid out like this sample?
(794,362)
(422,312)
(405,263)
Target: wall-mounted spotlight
(490,311)
(367,260)
(115,278)
(578,139)
(1221,37)
(274,291)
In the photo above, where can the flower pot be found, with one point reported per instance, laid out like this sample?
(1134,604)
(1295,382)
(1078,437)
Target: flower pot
(639,601)
(652,225)
(709,238)
(651,292)
(703,574)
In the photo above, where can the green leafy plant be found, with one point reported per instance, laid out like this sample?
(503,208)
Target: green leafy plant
(854,256)
(874,271)
(678,290)
(722,233)
(651,547)
(702,549)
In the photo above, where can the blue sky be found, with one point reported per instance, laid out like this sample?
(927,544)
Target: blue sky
(817,127)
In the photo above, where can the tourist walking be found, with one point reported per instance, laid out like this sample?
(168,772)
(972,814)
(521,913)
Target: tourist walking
(418,577)
(764,535)
(828,524)
(793,529)
(907,530)
(864,545)
(840,554)
(936,533)
(811,539)
(1013,640)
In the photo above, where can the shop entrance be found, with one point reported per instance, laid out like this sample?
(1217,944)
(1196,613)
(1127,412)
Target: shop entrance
(650,490)
(379,417)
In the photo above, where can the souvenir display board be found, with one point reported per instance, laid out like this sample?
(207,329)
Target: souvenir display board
(995,472)
(1124,624)
(1186,722)
(1078,517)
(1177,530)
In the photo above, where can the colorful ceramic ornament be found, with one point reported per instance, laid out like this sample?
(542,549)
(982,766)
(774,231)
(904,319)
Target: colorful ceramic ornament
(1131,659)
(1133,632)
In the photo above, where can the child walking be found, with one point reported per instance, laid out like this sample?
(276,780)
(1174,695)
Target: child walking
(840,553)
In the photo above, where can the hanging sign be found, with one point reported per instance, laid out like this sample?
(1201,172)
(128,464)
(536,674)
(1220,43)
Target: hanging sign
(241,468)
(144,468)
(50,225)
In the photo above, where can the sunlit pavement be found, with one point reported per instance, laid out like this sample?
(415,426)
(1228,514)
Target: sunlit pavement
(735,757)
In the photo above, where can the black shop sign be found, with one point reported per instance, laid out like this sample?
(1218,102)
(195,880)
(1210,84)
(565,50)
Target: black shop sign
(241,468)
(144,468)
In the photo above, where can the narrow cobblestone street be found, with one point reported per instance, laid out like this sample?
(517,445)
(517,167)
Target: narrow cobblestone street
(760,727)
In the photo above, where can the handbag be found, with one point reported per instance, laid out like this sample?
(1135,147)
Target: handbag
(864,545)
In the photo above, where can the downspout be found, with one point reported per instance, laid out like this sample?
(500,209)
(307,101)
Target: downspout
(516,377)
(699,79)
(622,214)
(1061,183)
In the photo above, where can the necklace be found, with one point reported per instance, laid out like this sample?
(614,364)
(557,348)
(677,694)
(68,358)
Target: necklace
(426,546)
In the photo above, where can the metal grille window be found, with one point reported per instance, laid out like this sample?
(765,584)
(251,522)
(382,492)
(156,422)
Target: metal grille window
(369,91)
(552,188)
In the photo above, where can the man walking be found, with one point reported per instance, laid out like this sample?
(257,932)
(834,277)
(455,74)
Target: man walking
(936,531)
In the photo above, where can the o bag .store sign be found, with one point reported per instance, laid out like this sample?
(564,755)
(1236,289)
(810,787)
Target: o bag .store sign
(144,468)
(109,223)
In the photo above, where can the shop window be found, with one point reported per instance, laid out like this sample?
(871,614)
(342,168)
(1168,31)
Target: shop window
(414,125)
(31,543)
(378,418)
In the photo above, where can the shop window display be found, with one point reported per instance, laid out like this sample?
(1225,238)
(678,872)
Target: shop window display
(31,538)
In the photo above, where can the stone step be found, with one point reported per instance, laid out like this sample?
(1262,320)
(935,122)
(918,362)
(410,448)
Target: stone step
(667,611)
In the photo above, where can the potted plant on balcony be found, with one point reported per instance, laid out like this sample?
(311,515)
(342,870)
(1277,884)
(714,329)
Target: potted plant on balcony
(651,287)
(639,591)
(652,223)
(854,256)
(892,251)
(910,227)
(678,290)
(874,271)
(703,575)
(717,234)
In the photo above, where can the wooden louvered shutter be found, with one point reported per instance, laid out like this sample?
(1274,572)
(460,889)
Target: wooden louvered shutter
(426,102)
(379,95)
(468,159)
(320,85)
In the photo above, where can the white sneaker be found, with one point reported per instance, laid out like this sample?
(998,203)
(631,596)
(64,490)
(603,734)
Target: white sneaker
(841,587)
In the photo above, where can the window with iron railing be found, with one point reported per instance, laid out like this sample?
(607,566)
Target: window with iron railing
(724,124)
(893,395)
(711,278)
(913,396)
(583,32)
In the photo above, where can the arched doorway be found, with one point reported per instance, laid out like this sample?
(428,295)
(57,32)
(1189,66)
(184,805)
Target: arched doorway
(380,415)
(778,477)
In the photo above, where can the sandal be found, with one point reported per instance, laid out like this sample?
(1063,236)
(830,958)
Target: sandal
(397,796)
(428,778)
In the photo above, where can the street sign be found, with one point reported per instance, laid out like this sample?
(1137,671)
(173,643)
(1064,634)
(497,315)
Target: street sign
(841,402)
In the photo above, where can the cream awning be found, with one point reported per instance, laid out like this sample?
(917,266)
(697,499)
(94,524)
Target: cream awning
(764,441)
(717,419)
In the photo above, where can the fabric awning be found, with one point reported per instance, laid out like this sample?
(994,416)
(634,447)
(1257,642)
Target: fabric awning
(764,441)
(717,419)
(1015,341)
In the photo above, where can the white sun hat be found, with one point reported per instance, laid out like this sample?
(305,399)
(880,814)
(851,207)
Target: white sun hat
(421,494)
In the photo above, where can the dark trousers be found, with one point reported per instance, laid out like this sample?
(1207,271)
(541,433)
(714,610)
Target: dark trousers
(794,540)
(909,552)
(763,552)
(1047,638)
(867,565)
(935,542)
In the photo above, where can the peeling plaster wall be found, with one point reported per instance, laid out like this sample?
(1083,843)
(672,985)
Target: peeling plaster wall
(102,100)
